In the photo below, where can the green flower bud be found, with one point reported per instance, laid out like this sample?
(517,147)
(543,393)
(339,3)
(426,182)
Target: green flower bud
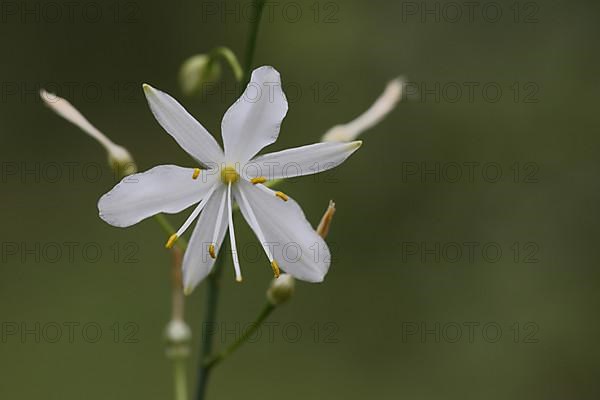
(281,289)
(198,70)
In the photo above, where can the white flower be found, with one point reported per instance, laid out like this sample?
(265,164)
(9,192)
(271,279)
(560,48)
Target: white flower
(374,115)
(118,156)
(250,124)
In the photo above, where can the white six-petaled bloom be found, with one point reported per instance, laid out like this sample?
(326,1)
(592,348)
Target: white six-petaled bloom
(249,125)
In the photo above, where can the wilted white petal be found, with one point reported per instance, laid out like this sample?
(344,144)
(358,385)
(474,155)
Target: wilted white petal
(197,261)
(378,111)
(184,128)
(117,154)
(296,246)
(166,188)
(253,121)
(305,160)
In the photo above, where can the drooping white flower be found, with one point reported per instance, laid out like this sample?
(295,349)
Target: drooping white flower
(235,174)
(374,115)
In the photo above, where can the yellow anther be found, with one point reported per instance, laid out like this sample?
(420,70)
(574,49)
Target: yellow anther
(196,173)
(260,179)
(171,241)
(275,268)
(211,251)
(282,196)
(238,279)
(229,174)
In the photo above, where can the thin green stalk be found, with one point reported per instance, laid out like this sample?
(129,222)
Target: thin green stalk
(266,311)
(212,290)
(229,56)
(180,379)
(210,317)
(251,44)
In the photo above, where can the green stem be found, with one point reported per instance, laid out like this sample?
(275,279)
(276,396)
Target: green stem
(251,44)
(180,379)
(266,311)
(212,290)
(229,56)
(210,317)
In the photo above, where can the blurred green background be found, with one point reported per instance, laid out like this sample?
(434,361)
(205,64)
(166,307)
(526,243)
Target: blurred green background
(384,324)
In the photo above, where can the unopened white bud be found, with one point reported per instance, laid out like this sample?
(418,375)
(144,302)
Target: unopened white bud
(178,332)
(323,228)
(374,115)
(198,70)
(281,289)
(119,159)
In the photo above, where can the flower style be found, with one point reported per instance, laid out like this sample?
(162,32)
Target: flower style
(235,174)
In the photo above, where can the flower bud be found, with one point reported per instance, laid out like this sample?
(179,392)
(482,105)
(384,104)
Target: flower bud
(178,336)
(374,115)
(119,159)
(323,228)
(178,332)
(197,71)
(281,289)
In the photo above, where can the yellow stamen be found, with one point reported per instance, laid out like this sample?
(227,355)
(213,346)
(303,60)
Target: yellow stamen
(171,241)
(275,268)
(196,173)
(238,279)
(282,196)
(229,174)
(211,250)
(260,179)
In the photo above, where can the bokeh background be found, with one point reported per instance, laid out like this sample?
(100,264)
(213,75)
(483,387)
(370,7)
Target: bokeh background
(386,322)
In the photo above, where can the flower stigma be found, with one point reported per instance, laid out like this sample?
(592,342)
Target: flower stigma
(229,174)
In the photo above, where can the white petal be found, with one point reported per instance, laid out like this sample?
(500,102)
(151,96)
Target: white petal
(197,262)
(184,128)
(250,217)
(294,244)
(253,121)
(375,114)
(166,188)
(305,160)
